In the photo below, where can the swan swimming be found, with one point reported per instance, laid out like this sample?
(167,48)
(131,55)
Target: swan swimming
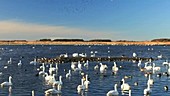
(165,62)
(59,82)
(10,61)
(147,67)
(139,63)
(34,62)
(155,68)
(148,90)
(81,87)
(50,79)
(73,66)
(134,55)
(86,82)
(43,70)
(79,65)
(68,74)
(7,83)
(125,86)
(86,64)
(113,92)
(96,67)
(103,68)
(53,91)
(115,68)
(150,81)
(20,63)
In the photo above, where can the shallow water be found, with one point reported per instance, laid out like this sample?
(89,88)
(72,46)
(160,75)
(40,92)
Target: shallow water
(25,79)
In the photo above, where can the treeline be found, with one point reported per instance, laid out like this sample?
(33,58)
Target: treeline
(161,40)
(78,40)
(73,40)
(13,40)
(100,40)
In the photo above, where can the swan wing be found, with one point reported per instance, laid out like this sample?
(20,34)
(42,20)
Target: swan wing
(112,93)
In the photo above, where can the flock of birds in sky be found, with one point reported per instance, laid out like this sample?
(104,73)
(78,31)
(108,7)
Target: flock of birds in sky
(49,73)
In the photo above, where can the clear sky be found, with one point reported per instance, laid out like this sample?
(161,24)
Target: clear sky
(84,19)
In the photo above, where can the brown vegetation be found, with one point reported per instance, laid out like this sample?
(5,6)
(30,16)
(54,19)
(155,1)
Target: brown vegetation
(81,43)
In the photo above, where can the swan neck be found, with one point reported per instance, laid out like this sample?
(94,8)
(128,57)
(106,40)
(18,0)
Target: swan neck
(149,76)
(129,92)
(10,80)
(50,65)
(58,87)
(148,86)
(60,78)
(43,68)
(86,77)
(123,81)
(115,87)
(82,82)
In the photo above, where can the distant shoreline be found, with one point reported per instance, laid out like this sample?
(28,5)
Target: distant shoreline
(20,42)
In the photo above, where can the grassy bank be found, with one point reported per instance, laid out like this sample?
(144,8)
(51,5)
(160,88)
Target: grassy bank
(82,43)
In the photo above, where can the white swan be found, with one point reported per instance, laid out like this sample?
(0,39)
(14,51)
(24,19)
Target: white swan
(34,62)
(52,69)
(86,64)
(86,82)
(147,67)
(166,88)
(10,61)
(50,79)
(53,91)
(139,63)
(59,82)
(134,55)
(150,81)
(43,70)
(155,68)
(113,92)
(159,56)
(103,68)
(7,83)
(148,90)
(79,65)
(168,69)
(96,67)
(68,74)
(165,62)
(19,63)
(115,68)
(73,65)
(81,87)
(125,86)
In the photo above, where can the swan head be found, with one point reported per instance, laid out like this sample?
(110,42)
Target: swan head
(114,63)
(166,88)
(101,64)
(69,71)
(122,81)
(10,77)
(115,85)
(60,77)
(136,83)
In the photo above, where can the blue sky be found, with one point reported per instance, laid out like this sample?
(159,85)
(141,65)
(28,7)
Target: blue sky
(84,19)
